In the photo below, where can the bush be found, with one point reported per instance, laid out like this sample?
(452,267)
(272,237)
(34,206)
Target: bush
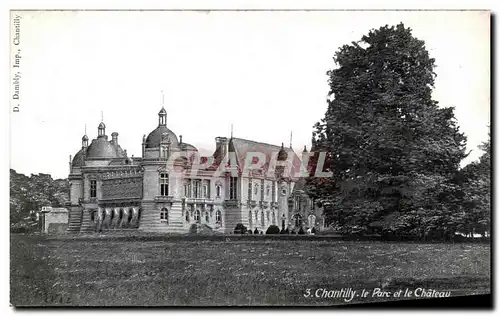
(193,229)
(313,230)
(301,231)
(256,231)
(273,229)
(240,229)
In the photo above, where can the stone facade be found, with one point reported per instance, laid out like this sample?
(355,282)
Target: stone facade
(53,220)
(170,187)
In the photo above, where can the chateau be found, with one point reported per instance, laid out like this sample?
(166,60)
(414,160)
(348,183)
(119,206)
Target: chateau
(170,187)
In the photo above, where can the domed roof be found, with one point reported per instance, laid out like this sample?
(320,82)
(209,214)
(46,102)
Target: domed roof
(77,159)
(188,147)
(101,148)
(85,137)
(162,111)
(154,138)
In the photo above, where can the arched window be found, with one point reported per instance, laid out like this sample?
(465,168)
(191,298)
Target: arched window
(207,219)
(164,215)
(262,223)
(218,217)
(121,215)
(250,218)
(92,216)
(197,216)
(187,216)
(267,215)
(273,218)
(218,190)
(268,190)
(256,189)
(311,221)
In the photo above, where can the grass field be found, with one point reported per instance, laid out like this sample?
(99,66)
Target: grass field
(111,272)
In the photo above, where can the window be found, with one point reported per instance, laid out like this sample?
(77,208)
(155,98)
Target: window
(197,216)
(249,189)
(250,218)
(187,216)
(207,219)
(273,218)
(232,188)
(267,215)
(163,184)
(163,215)
(218,217)
(274,191)
(187,190)
(262,223)
(93,188)
(92,216)
(311,221)
(262,190)
(256,189)
(218,189)
(197,189)
(205,190)
(268,190)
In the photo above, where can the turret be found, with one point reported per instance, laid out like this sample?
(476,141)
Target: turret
(85,142)
(101,130)
(162,117)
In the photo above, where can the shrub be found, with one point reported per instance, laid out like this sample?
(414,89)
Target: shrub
(193,229)
(313,230)
(273,229)
(256,231)
(301,231)
(240,229)
(249,232)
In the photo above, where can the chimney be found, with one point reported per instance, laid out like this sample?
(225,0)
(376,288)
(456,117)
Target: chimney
(180,139)
(114,138)
(221,144)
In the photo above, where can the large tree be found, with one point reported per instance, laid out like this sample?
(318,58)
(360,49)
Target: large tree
(390,147)
(476,184)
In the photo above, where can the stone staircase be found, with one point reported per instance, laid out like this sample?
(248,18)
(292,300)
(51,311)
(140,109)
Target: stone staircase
(75,220)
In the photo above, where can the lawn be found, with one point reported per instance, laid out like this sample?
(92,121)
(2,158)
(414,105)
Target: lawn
(113,272)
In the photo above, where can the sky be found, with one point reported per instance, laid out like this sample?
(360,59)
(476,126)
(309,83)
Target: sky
(264,72)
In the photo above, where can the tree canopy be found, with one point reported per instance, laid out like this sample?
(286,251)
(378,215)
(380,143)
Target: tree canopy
(394,153)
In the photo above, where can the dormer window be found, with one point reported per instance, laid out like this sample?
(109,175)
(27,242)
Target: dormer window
(218,190)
